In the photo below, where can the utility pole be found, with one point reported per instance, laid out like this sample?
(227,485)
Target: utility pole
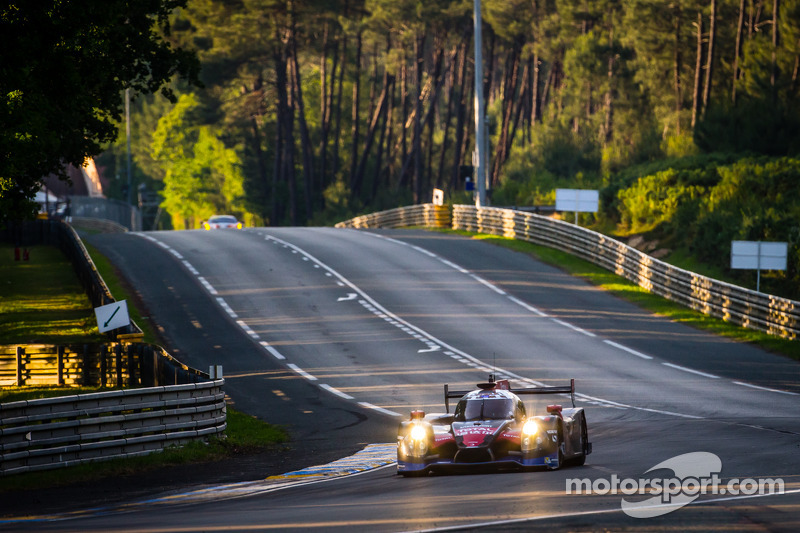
(128,136)
(480,129)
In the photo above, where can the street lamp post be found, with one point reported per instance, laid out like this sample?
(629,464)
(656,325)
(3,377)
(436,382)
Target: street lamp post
(480,130)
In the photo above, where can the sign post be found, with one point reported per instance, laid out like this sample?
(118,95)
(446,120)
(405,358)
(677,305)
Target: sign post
(578,200)
(758,256)
(112,316)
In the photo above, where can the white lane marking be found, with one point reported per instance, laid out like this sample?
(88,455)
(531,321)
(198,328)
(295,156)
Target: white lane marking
(692,371)
(492,286)
(247,329)
(574,328)
(272,350)
(350,296)
(301,372)
(336,391)
(617,509)
(379,409)
(743,384)
(529,307)
(207,285)
(227,307)
(626,349)
(190,268)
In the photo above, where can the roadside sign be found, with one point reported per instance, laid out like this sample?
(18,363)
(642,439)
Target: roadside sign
(112,316)
(580,200)
(438,197)
(756,255)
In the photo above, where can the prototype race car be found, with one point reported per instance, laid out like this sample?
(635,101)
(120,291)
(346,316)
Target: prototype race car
(491,428)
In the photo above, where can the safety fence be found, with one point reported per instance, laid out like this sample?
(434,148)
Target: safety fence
(748,308)
(69,430)
(429,215)
(106,209)
(93,365)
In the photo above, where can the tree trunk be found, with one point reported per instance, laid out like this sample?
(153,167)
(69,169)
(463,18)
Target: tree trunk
(712,29)
(355,118)
(305,137)
(452,82)
(609,97)
(773,78)
(461,110)
(509,92)
(417,141)
(698,68)
(355,185)
(338,128)
(677,59)
(737,51)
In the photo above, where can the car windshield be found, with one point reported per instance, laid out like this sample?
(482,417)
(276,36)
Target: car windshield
(484,409)
(222,220)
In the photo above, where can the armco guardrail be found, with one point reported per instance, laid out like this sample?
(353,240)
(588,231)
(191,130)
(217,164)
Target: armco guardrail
(69,430)
(771,314)
(434,216)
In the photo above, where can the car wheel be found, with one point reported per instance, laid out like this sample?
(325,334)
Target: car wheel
(581,459)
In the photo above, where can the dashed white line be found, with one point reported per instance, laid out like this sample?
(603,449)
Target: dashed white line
(691,371)
(227,308)
(273,351)
(379,409)
(626,349)
(336,391)
(574,328)
(207,285)
(743,384)
(301,372)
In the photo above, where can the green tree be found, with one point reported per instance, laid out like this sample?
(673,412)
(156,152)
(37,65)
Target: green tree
(63,70)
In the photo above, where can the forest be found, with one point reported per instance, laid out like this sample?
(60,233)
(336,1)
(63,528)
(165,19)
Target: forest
(684,114)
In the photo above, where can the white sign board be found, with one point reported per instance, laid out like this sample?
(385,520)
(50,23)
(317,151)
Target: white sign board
(754,255)
(578,200)
(438,197)
(112,316)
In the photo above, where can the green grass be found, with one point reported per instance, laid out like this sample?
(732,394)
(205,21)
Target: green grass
(120,292)
(42,301)
(244,434)
(637,295)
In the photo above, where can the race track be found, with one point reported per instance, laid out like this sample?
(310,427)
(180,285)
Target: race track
(338,333)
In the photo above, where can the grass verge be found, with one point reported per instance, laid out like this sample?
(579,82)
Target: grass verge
(633,293)
(120,291)
(42,300)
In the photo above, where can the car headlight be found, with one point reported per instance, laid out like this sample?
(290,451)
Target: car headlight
(418,432)
(530,428)
(416,441)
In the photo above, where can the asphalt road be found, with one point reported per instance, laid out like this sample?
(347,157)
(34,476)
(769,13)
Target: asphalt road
(336,333)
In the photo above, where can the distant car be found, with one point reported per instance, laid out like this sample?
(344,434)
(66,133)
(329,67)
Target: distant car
(222,222)
(491,428)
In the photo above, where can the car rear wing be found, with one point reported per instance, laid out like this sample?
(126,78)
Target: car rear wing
(569,389)
(503,384)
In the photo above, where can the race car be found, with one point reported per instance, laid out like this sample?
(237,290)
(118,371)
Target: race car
(490,427)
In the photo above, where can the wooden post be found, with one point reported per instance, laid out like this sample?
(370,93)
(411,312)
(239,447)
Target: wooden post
(20,353)
(103,365)
(131,367)
(60,363)
(118,357)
